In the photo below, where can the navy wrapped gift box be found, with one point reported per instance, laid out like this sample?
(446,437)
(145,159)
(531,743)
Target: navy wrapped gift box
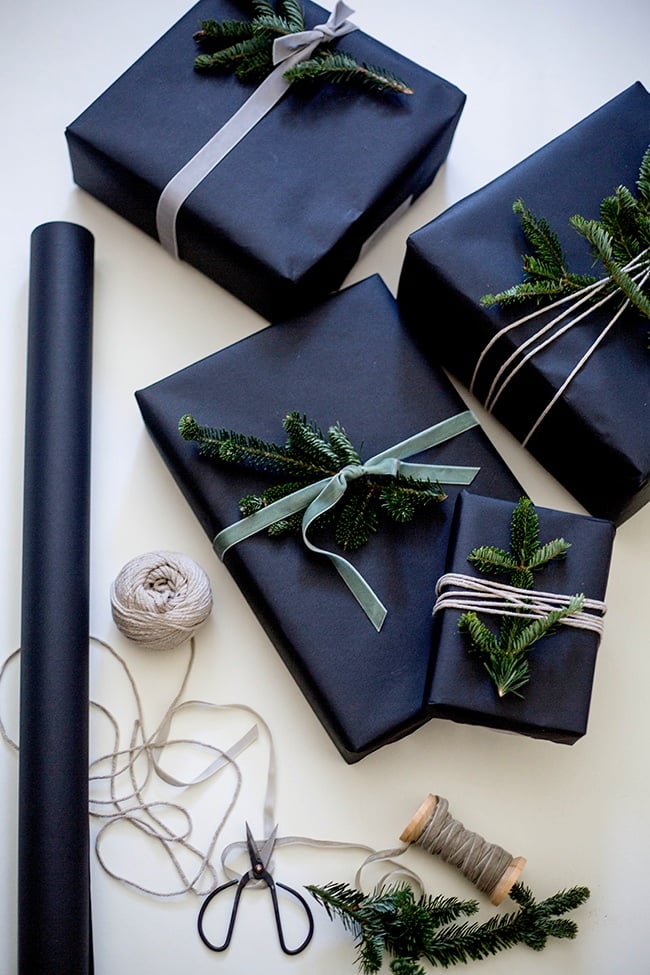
(595,438)
(348,360)
(281,220)
(555,703)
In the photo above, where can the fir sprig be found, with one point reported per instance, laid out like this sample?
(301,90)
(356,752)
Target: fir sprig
(309,456)
(393,921)
(619,240)
(504,654)
(245,47)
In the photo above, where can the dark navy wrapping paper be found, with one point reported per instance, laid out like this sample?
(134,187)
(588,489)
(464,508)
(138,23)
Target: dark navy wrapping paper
(555,703)
(54,926)
(596,439)
(348,360)
(280,221)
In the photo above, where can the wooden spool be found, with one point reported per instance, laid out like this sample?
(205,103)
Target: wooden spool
(416,826)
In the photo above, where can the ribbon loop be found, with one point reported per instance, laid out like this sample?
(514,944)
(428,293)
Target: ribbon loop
(315,499)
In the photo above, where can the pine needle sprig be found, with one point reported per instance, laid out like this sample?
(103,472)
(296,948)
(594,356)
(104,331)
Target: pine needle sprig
(246,47)
(504,655)
(619,241)
(546,274)
(340,68)
(393,921)
(309,456)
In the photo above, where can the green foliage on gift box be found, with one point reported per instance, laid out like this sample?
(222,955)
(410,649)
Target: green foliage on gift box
(246,48)
(393,921)
(619,240)
(504,654)
(309,456)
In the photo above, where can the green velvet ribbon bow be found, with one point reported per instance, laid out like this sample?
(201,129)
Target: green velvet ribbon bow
(317,498)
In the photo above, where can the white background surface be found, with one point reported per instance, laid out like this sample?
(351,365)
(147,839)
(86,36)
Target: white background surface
(580,814)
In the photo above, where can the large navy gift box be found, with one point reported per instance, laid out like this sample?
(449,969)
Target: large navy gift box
(348,360)
(595,440)
(281,220)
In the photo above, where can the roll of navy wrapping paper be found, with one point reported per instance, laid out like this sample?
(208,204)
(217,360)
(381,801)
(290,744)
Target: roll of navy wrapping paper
(54,925)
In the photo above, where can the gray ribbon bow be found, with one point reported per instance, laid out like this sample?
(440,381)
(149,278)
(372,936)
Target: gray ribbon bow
(287,51)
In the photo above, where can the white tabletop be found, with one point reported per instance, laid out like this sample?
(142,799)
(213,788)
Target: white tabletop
(580,814)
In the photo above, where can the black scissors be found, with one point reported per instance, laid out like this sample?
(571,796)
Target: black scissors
(259,857)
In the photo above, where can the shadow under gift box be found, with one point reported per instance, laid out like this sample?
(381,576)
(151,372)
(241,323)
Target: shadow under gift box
(281,220)
(348,360)
(595,439)
(555,703)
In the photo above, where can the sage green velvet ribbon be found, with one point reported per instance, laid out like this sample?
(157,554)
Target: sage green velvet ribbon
(317,498)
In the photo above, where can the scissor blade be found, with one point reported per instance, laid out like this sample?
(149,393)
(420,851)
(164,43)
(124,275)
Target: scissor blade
(267,849)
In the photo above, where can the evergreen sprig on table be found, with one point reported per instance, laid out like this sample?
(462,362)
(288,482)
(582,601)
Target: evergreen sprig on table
(246,46)
(395,922)
(619,240)
(309,456)
(504,654)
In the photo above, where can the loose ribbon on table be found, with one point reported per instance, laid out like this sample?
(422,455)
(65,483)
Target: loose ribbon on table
(317,498)
(288,50)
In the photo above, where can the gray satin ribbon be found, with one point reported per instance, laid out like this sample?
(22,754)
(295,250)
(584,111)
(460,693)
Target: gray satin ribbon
(287,51)
(315,499)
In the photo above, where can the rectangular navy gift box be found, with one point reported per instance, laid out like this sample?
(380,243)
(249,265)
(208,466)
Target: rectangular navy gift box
(281,220)
(555,703)
(348,360)
(595,439)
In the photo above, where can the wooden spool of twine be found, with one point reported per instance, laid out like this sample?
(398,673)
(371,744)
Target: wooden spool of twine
(489,867)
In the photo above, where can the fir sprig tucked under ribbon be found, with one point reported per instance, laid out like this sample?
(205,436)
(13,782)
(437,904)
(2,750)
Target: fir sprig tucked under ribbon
(504,654)
(246,48)
(620,240)
(325,472)
(306,457)
(394,921)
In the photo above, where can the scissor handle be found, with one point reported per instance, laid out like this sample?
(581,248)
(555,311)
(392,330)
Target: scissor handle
(266,877)
(278,921)
(233,913)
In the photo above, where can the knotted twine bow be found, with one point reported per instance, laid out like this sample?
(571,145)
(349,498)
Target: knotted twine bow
(317,498)
(288,50)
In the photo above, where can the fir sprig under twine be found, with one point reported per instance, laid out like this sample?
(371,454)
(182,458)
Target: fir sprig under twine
(245,47)
(505,655)
(620,240)
(307,456)
(393,921)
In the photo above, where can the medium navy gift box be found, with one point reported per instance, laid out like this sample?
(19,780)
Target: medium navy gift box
(348,360)
(555,702)
(281,219)
(595,438)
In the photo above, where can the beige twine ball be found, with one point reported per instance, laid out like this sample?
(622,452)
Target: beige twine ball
(160,599)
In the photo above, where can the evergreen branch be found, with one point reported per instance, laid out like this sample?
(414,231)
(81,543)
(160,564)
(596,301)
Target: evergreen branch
(489,559)
(643,182)
(393,921)
(342,447)
(306,440)
(309,456)
(602,245)
(619,238)
(246,47)
(222,34)
(236,448)
(338,67)
(504,656)
(358,519)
